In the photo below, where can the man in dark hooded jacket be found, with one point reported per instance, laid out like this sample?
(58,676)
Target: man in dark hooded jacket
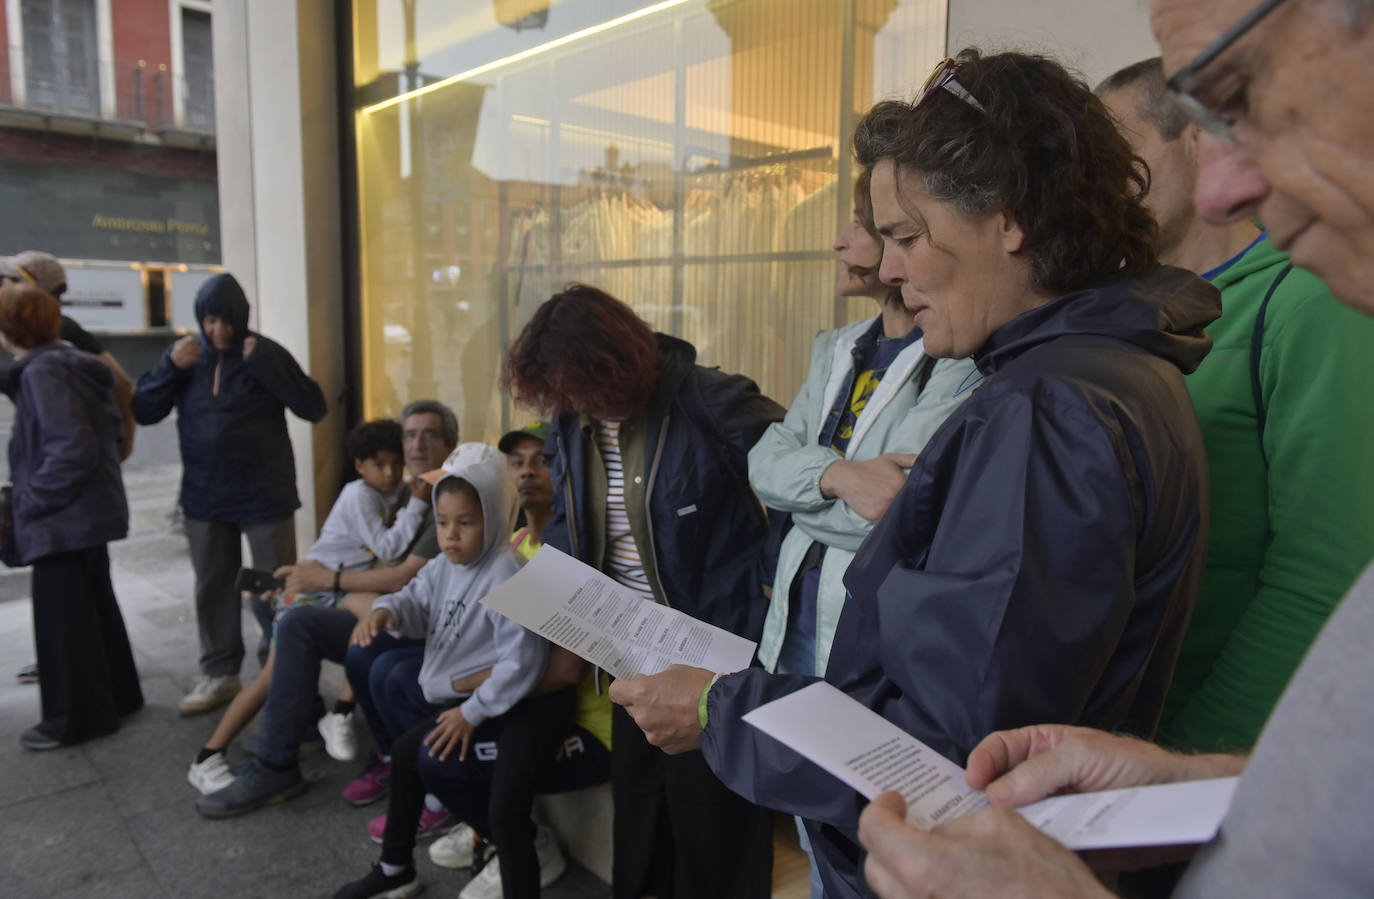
(230,387)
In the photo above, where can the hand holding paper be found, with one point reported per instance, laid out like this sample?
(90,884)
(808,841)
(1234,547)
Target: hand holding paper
(572,604)
(665,706)
(993,852)
(874,756)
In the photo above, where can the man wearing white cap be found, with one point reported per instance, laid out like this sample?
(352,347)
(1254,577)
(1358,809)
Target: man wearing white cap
(44,271)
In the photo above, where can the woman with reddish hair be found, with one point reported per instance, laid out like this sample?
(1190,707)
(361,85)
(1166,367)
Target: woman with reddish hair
(649,465)
(68,503)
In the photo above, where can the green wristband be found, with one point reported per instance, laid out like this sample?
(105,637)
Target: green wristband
(701,703)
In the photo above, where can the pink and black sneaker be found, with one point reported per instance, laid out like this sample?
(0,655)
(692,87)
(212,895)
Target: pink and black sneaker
(371,785)
(431,825)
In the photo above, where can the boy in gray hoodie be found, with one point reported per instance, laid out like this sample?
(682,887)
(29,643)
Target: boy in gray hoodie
(474,506)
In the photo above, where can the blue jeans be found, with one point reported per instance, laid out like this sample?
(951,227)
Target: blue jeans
(307,636)
(401,702)
(367,668)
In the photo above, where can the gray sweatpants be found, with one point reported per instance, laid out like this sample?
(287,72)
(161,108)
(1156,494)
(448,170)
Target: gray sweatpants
(216,556)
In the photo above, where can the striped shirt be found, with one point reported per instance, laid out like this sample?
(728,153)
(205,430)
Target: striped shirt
(623,562)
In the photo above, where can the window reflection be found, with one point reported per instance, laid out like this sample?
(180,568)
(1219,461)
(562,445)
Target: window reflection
(692,161)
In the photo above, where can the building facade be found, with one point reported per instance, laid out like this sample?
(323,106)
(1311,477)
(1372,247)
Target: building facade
(107,153)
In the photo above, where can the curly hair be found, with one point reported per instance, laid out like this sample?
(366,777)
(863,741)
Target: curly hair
(1044,149)
(29,315)
(583,351)
(368,439)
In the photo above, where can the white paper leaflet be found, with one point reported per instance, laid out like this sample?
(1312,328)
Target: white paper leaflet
(572,604)
(873,756)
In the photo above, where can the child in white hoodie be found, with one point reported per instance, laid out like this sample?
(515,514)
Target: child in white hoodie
(474,507)
(374,521)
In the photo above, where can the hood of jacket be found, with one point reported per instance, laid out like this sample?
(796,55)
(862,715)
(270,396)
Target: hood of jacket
(1163,312)
(222,297)
(484,467)
(676,359)
(92,372)
(1261,256)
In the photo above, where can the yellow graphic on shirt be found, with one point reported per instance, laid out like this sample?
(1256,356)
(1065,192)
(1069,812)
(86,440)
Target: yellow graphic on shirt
(864,385)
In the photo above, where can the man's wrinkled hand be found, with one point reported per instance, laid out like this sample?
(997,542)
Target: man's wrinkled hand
(664,706)
(994,852)
(1025,765)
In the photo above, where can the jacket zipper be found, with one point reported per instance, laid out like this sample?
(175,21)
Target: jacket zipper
(648,513)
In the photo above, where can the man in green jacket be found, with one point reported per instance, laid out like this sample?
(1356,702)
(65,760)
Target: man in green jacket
(1288,440)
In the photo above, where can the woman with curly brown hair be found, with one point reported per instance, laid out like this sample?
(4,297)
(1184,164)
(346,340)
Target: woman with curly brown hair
(648,461)
(68,504)
(1042,559)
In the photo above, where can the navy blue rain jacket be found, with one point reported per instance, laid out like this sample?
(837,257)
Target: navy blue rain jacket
(64,452)
(708,528)
(236,458)
(1039,565)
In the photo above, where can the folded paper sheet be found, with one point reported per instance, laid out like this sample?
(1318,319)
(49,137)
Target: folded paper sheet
(873,756)
(572,604)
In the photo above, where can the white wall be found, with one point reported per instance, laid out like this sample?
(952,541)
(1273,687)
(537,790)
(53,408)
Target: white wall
(1096,37)
(277,138)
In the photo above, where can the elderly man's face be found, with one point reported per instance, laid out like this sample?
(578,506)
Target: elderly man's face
(422,438)
(1300,88)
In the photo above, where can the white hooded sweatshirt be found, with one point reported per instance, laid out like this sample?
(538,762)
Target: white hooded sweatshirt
(442,603)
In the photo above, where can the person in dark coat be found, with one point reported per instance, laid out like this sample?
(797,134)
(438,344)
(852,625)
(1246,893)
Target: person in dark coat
(1043,558)
(68,503)
(648,459)
(230,387)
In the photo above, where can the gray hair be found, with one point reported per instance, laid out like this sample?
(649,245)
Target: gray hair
(1156,104)
(1360,12)
(427,407)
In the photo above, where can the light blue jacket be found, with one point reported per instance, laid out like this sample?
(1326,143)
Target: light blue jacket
(785,466)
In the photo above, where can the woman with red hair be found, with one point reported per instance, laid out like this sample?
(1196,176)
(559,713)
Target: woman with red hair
(68,505)
(649,465)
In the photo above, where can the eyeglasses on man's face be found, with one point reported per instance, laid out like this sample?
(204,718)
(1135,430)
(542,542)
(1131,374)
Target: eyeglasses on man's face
(1185,82)
(426,435)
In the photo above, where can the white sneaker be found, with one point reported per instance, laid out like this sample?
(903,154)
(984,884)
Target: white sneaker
(552,864)
(210,692)
(454,849)
(339,739)
(211,775)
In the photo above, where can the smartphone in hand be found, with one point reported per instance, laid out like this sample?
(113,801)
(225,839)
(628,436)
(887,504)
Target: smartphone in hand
(254,581)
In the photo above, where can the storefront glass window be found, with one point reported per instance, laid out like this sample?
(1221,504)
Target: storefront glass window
(688,156)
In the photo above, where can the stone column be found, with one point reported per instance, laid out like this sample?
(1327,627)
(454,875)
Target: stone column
(276,110)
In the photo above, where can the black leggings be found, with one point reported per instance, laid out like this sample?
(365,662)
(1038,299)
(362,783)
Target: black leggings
(533,748)
(87,678)
(407,799)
